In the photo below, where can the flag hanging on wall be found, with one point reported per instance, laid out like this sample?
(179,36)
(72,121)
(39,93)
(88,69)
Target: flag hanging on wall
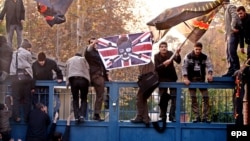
(125,50)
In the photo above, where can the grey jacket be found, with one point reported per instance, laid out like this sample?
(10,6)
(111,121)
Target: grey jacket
(231,19)
(77,66)
(24,61)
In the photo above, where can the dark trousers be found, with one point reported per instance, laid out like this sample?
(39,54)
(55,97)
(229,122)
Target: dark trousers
(21,92)
(142,107)
(98,83)
(205,103)
(232,56)
(164,91)
(79,84)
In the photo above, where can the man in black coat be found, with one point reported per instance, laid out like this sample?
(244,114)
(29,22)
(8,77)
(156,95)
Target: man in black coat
(15,15)
(43,70)
(98,75)
(164,66)
(38,122)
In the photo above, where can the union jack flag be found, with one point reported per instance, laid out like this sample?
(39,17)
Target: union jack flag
(125,50)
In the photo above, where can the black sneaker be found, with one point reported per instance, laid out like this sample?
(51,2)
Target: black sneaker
(136,120)
(228,74)
(97,117)
(197,120)
(206,121)
(81,119)
(172,119)
(77,121)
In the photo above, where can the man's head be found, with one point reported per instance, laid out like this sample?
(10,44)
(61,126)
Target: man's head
(41,107)
(197,48)
(241,11)
(41,58)
(91,40)
(163,47)
(225,3)
(26,44)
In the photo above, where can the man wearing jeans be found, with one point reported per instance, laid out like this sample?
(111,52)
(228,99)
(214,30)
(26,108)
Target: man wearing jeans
(15,15)
(194,69)
(232,37)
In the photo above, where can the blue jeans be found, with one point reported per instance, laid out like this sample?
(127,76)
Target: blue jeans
(19,35)
(232,56)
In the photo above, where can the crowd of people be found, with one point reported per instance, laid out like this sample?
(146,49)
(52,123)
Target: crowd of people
(86,68)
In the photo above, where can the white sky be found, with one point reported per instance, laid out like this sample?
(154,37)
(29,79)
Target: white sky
(157,6)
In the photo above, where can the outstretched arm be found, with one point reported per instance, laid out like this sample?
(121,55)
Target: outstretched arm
(53,127)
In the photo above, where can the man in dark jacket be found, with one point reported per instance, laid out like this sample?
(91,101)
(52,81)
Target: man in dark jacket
(98,75)
(245,19)
(43,70)
(164,66)
(38,122)
(194,69)
(15,15)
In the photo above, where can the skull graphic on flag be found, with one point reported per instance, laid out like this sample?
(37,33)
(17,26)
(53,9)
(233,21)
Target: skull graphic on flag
(125,50)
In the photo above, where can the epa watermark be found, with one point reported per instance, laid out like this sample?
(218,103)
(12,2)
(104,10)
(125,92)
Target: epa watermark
(238,133)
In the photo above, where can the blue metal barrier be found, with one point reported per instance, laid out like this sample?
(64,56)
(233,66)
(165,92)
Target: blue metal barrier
(115,129)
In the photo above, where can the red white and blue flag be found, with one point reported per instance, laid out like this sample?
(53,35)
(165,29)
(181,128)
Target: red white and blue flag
(125,50)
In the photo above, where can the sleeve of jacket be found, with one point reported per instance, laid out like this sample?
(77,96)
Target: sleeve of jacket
(3,12)
(234,16)
(22,11)
(67,73)
(66,134)
(209,65)
(34,70)
(241,37)
(185,66)
(158,64)
(58,71)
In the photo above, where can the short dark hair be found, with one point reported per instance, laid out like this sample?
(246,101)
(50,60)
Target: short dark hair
(241,8)
(93,38)
(26,44)
(41,56)
(163,43)
(198,44)
(39,105)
